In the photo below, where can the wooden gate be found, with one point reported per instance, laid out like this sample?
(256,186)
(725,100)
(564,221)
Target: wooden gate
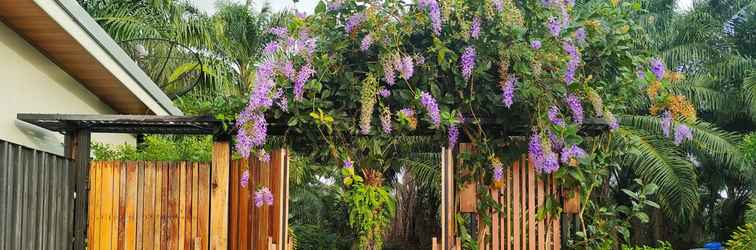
(264,227)
(516,227)
(149,205)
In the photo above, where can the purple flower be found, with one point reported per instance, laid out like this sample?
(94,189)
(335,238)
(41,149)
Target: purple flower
(348,163)
(553,115)
(388,73)
(263,156)
(475,28)
(434,11)
(556,143)
(270,48)
(407,112)
(657,66)
(386,121)
(554,26)
(576,107)
(550,163)
(453,136)
(468,62)
(499,5)
(507,91)
(335,5)
(354,21)
(641,74)
(244,181)
(613,122)
(263,197)
(405,67)
(580,35)
(302,77)
(498,173)
(282,100)
(535,150)
(666,123)
(366,42)
(431,106)
(287,69)
(682,133)
(280,32)
(572,152)
(572,64)
(383,92)
(535,44)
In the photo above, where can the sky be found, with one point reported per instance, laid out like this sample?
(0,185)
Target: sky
(309,5)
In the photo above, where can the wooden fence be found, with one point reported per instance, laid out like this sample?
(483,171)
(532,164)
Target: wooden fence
(149,205)
(167,205)
(516,227)
(36,199)
(262,227)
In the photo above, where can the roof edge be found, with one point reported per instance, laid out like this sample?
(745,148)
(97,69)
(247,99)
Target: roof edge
(103,39)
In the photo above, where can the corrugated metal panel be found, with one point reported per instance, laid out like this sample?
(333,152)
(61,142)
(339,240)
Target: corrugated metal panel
(35,199)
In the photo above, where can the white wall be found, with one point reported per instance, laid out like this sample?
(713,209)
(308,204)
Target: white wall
(31,83)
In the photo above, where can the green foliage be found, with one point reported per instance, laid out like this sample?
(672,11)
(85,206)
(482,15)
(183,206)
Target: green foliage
(159,148)
(370,210)
(744,238)
(663,245)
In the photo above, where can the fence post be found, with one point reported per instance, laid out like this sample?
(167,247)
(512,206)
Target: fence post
(77,143)
(219,198)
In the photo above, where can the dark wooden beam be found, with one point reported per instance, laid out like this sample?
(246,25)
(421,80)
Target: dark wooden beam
(77,148)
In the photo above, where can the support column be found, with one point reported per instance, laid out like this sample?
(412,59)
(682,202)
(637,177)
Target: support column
(77,145)
(219,196)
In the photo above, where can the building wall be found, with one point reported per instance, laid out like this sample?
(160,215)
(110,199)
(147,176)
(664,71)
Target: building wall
(31,83)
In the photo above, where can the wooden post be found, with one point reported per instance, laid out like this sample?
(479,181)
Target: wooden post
(77,144)
(447,199)
(219,177)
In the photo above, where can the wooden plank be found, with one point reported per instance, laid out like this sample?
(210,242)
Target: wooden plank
(233,230)
(264,218)
(93,227)
(173,205)
(115,196)
(101,209)
(203,226)
(159,193)
(195,204)
(555,222)
(122,195)
(531,205)
(131,204)
(219,195)
(276,166)
(541,223)
(148,228)
(140,206)
(243,205)
(188,204)
(495,233)
(434,244)
(181,205)
(516,205)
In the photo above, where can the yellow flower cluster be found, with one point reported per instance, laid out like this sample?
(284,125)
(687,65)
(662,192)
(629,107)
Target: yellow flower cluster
(653,90)
(674,76)
(681,107)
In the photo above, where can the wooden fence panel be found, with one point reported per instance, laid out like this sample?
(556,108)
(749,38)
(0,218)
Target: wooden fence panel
(259,227)
(148,205)
(36,199)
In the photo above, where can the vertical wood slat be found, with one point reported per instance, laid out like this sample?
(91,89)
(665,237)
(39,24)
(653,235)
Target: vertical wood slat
(541,227)
(495,221)
(233,230)
(219,195)
(244,204)
(531,205)
(131,205)
(148,226)
(159,193)
(122,192)
(181,205)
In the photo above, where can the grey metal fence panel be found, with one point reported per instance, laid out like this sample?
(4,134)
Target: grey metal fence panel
(36,204)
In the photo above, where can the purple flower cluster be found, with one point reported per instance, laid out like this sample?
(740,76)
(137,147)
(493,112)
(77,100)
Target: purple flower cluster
(666,123)
(281,100)
(453,136)
(535,44)
(682,133)
(405,67)
(348,163)
(302,77)
(572,64)
(580,35)
(366,42)
(263,156)
(499,5)
(475,28)
(335,5)
(613,122)
(507,91)
(270,48)
(388,73)
(263,197)
(657,66)
(407,112)
(354,21)
(431,106)
(498,173)
(280,32)
(544,160)
(468,62)
(550,163)
(641,74)
(576,107)
(244,181)
(574,151)
(287,69)
(434,11)
(386,121)
(553,115)
(556,143)
(384,92)
(555,27)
